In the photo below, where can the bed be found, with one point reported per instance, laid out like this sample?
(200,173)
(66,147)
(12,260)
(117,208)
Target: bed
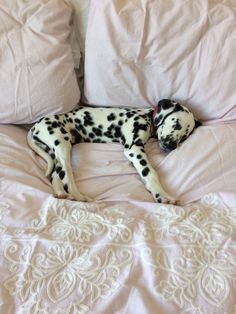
(121,252)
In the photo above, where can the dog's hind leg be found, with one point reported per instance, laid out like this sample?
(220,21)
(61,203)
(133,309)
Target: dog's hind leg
(64,173)
(59,189)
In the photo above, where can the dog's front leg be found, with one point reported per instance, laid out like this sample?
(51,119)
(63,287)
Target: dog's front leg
(148,175)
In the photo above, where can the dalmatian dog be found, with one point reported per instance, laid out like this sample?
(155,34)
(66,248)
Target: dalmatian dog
(52,138)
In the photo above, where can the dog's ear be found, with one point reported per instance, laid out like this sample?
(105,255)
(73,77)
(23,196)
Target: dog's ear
(165,104)
(197,123)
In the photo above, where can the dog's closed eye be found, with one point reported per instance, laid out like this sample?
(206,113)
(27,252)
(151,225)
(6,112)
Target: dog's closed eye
(197,123)
(183,138)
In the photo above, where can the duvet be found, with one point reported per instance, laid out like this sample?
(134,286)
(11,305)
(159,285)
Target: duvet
(121,253)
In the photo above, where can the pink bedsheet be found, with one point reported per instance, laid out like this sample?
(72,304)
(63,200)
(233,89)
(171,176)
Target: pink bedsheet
(122,253)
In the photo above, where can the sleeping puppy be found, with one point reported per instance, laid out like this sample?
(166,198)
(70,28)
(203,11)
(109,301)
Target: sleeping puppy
(52,138)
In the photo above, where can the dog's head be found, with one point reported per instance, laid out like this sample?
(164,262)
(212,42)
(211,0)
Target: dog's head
(173,124)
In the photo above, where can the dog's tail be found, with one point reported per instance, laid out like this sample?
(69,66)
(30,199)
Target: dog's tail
(35,144)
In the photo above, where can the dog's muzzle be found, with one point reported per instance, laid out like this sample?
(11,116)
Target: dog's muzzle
(168,147)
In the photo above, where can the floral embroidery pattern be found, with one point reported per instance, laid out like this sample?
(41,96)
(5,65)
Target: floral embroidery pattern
(62,269)
(207,263)
(72,224)
(73,256)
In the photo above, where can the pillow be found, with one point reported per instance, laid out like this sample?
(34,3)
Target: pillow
(36,66)
(138,52)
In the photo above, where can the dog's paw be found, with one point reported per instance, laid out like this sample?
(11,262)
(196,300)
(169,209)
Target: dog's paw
(78,198)
(164,198)
(64,196)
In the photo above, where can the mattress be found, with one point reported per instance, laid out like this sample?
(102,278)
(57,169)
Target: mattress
(121,252)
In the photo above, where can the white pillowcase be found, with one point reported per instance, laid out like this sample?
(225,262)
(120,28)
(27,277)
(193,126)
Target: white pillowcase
(37,75)
(138,52)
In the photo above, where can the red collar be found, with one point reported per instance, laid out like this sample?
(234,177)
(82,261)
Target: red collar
(155,111)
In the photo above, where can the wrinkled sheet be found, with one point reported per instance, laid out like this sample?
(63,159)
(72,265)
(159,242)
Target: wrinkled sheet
(122,253)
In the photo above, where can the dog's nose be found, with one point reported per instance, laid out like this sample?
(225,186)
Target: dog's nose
(171,145)
(168,147)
